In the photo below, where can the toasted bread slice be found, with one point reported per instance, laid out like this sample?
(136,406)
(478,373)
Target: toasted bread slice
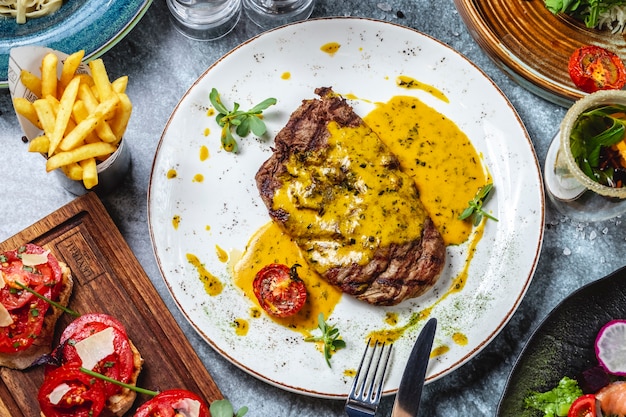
(43,343)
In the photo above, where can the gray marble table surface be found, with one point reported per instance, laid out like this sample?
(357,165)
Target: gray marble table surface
(162,65)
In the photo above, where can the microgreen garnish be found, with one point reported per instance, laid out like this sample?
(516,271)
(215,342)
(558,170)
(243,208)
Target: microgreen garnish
(330,338)
(475,206)
(242,121)
(223,408)
(47,300)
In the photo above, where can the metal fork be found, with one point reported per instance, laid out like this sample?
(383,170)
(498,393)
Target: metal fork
(367,387)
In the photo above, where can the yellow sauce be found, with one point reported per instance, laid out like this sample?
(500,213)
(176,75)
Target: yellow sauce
(204,152)
(270,245)
(210,112)
(222,255)
(171,174)
(212,285)
(330,48)
(439,350)
(459,338)
(198,178)
(285,75)
(241,327)
(413,84)
(437,155)
(360,202)
(207,131)
(176,221)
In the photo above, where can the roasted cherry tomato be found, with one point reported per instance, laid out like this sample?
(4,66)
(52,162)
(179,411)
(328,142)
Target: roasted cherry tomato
(280,290)
(67,391)
(593,68)
(119,365)
(583,406)
(26,310)
(174,402)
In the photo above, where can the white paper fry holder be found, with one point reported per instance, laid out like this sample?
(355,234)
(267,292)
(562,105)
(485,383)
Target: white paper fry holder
(112,170)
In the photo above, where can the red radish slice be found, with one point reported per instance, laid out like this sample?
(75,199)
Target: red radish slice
(611,347)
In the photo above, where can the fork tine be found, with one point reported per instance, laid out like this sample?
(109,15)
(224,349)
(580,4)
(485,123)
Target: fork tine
(371,392)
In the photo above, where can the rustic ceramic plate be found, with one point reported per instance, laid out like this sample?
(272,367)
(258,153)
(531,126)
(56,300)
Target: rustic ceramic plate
(94,25)
(563,344)
(224,209)
(532,45)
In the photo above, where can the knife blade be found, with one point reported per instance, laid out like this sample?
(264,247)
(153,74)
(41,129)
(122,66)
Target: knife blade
(407,400)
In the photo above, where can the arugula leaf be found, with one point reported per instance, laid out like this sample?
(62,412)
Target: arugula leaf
(330,338)
(242,121)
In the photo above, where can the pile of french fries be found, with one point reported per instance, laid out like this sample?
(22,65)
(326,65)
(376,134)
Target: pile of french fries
(82,117)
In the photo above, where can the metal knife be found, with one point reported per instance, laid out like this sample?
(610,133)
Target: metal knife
(407,401)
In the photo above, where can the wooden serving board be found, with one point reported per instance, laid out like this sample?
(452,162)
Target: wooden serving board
(108,279)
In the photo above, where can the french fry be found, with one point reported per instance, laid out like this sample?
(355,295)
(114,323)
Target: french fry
(122,116)
(100,79)
(82,130)
(90,150)
(31,81)
(80,113)
(70,65)
(90,173)
(73,171)
(83,116)
(103,129)
(119,85)
(39,144)
(26,109)
(49,75)
(63,114)
(45,113)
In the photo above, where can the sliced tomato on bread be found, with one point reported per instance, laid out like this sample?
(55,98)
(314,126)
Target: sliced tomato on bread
(99,342)
(26,321)
(174,402)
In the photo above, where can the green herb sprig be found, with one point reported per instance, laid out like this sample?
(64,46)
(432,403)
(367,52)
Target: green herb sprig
(475,207)
(47,300)
(242,121)
(330,338)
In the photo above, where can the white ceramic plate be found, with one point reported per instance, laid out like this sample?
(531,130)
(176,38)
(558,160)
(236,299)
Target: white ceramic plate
(371,56)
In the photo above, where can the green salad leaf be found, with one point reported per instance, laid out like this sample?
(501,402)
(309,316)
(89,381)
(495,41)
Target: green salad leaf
(587,11)
(557,401)
(594,129)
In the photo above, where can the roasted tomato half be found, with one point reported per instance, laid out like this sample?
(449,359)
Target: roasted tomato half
(593,68)
(583,406)
(119,365)
(280,290)
(35,268)
(174,402)
(67,391)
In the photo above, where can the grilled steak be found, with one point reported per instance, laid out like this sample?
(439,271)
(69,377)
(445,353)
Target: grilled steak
(338,191)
